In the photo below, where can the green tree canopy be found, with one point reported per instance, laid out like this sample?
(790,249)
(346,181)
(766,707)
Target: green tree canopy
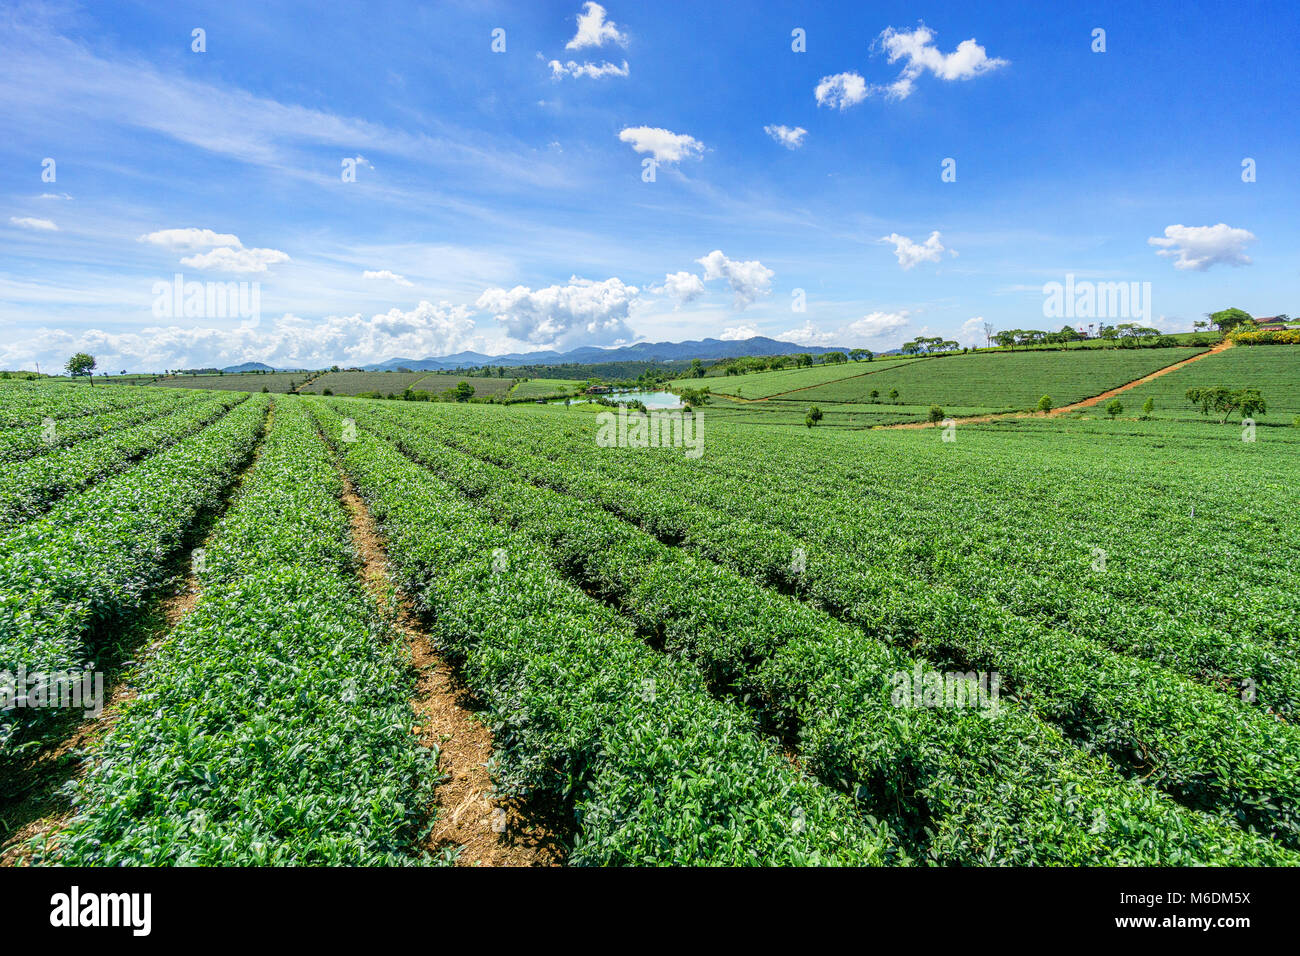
(83,363)
(1229,319)
(1245,401)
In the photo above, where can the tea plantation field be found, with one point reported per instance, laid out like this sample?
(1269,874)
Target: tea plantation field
(1047,641)
(1004,381)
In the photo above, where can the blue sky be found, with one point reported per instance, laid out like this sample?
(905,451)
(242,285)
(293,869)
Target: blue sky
(500,202)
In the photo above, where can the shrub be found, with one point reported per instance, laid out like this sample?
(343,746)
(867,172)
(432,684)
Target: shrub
(936,413)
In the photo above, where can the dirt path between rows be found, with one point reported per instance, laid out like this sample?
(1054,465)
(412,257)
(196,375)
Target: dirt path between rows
(46,808)
(1074,406)
(489,831)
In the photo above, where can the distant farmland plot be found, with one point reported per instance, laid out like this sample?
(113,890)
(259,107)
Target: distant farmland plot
(545,387)
(354,383)
(1003,381)
(483,385)
(279,382)
(793,410)
(1273,369)
(763,384)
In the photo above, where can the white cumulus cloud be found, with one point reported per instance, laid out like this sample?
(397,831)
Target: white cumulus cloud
(876,324)
(911,253)
(289,341)
(594,29)
(738,333)
(790,138)
(841,90)
(582,312)
(1198,247)
(808,334)
(972,333)
(748,280)
(681,287)
(665,146)
(27,222)
(591,70)
(225,259)
(915,48)
(191,238)
(386,274)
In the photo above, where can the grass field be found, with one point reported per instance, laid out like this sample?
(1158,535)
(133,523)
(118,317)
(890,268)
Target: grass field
(1043,642)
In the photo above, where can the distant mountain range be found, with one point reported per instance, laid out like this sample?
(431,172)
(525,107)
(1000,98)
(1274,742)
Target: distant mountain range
(704,349)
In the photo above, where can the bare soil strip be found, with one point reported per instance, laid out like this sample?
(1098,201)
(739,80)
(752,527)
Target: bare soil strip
(1075,406)
(489,831)
(44,806)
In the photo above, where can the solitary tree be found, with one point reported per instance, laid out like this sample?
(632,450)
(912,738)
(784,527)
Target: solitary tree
(1246,401)
(1147,408)
(82,364)
(813,417)
(1114,407)
(1045,403)
(875,394)
(936,413)
(893,395)
(1229,319)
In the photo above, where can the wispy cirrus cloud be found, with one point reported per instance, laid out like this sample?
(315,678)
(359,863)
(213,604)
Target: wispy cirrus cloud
(228,121)
(28,222)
